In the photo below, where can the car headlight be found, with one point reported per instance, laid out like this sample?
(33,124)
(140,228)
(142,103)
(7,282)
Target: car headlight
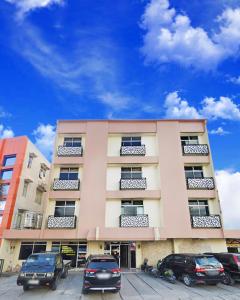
(22,274)
(50,275)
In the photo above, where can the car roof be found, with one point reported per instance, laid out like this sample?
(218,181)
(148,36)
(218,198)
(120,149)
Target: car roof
(46,253)
(193,254)
(102,256)
(224,253)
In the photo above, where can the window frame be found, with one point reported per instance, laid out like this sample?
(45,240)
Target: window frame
(188,140)
(72,142)
(131,173)
(7,170)
(132,204)
(67,205)
(35,248)
(194,170)
(6,157)
(68,173)
(198,206)
(132,141)
(38,196)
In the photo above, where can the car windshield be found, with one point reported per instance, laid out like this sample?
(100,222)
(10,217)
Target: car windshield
(41,260)
(207,261)
(103,264)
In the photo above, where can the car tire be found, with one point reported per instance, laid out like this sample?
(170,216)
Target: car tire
(53,286)
(25,287)
(228,280)
(187,280)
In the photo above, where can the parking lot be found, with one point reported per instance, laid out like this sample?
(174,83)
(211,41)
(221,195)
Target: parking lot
(135,286)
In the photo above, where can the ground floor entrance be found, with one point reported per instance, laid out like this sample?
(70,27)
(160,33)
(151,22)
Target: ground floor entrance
(124,252)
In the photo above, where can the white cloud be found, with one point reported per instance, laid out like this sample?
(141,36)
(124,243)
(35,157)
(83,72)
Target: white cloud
(229,193)
(3,113)
(25,6)
(5,132)
(44,139)
(179,108)
(170,37)
(219,131)
(224,108)
(115,100)
(235,80)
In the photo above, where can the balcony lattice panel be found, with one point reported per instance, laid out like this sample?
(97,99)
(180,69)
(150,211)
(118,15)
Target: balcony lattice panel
(206,221)
(61,222)
(195,150)
(133,184)
(134,221)
(200,183)
(133,150)
(69,151)
(65,185)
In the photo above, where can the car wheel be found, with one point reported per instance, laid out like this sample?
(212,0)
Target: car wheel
(228,280)
(187,280)
(53,286)
(25,287)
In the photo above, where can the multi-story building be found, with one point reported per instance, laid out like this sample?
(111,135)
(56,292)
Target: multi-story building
(135,189)
(24,174)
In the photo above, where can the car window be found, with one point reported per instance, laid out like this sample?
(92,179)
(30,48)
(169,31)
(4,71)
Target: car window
(179,259)
(168,259)
(103,264)
(207,261)
(40,260)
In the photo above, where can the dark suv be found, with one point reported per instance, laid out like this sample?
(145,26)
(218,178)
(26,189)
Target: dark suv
(231,264)
(194,268)
(101,273)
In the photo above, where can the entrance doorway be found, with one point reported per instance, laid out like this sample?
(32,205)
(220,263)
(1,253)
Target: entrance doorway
(124,253)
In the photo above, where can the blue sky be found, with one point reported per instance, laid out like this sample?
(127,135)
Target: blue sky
(65,59)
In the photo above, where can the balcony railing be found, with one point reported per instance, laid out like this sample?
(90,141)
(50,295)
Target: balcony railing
(195,149)
(69,151)
(133,150)
(134,221)
(133,184)
(61,185)
(61,222)
(206,183)
(213,221)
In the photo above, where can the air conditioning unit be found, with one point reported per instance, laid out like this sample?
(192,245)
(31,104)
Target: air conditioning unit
(30,219)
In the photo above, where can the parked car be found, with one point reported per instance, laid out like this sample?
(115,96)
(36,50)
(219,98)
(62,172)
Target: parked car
(101,273)
(231,265)
(194,268)
(42,269)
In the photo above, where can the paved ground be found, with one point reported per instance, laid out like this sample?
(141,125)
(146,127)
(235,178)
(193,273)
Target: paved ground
(135,286)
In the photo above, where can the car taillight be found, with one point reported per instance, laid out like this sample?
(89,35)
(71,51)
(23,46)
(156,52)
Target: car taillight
(200,270)
(221,269)
(91,271)
(235,258)
(115,270)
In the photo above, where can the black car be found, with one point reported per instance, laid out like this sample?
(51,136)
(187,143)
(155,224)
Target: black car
(231,265)
(102,273)
(194,268)
(42,269)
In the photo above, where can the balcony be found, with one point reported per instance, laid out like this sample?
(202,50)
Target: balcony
(64,185)
(133,184)
(195,149)
(134,221)
(133,150)
(206,183)
(61,222)
(213,221)
(69,151)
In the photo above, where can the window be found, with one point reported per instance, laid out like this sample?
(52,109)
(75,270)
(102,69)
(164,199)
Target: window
(38,198)
(189,140)
(131,141)
(198,207)
(193,172)
(2,204)
(25,188)
(30,160)
(28,248)
(64,209)
(72,142)
(132,207)
(42,173)
(5,189)
(131,173)
(56,246)
(68,174)
(9,160)
(6,174)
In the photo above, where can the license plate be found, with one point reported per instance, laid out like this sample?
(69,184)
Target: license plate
(103,276)
(212,272)
(33,282)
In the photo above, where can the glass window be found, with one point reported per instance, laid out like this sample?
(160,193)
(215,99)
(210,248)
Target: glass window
(7,174)
(28,248)
(2,204)
(132,207)
(9,160)
(5,188)
(131,141)
(72,142)
(38,198)
(68,174)
(30,160)
(39,247)
(193,172)
(64,208)
(198,207)
(42,173)
(131,173)
(189,140)
(25,188)
(56,246)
